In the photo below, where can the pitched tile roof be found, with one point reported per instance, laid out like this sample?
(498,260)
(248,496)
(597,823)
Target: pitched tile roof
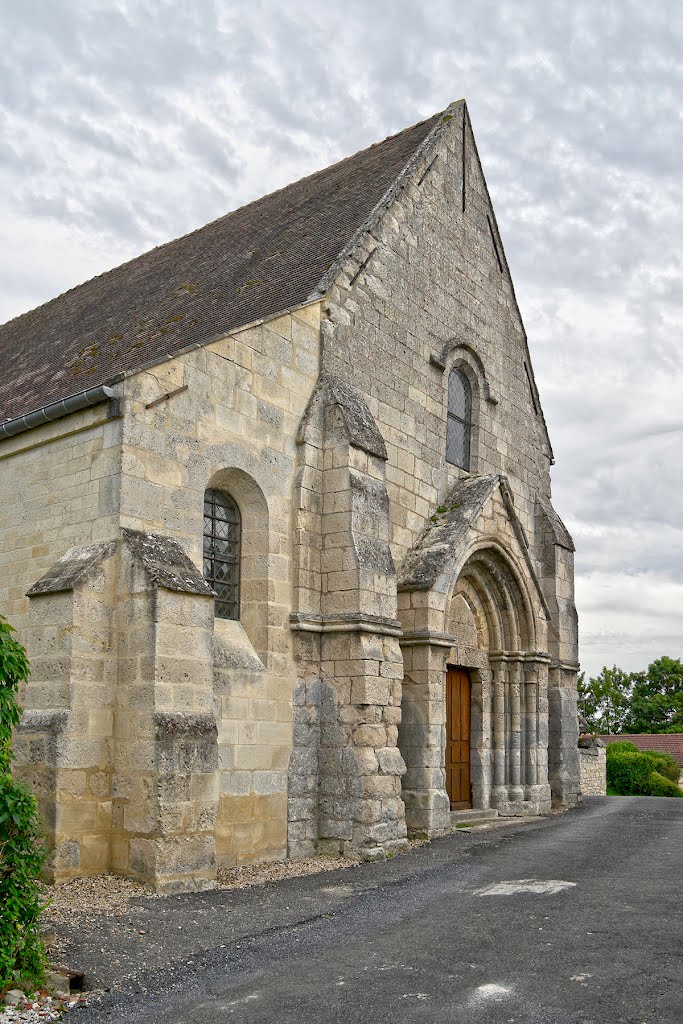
(252,263)
(666,742)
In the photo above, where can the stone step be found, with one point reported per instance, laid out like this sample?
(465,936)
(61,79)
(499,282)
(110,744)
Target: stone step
(472,816)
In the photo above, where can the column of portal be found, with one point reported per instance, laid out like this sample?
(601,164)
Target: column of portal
(499,680)
(542,734)
(480,738)
(516,792)
(531,714)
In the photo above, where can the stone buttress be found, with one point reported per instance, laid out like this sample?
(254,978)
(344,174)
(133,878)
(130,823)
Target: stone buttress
(345,770)
(118,736)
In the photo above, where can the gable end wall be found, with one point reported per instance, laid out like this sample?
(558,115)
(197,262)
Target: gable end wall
(435,278)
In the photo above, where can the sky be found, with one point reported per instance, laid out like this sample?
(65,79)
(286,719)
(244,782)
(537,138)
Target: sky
(125,123)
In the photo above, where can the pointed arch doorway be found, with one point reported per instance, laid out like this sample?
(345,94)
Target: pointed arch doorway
(458,717)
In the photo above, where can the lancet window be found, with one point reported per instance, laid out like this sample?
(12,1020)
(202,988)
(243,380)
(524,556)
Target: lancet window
(222,540)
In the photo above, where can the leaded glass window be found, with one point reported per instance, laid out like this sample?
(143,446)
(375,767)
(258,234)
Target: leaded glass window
(222,536)
(459,425)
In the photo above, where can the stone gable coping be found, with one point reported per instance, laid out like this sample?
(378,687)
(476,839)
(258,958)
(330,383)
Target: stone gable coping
(167,564)
(437,125)
(362,431)
(72,569)
(557,527)
(447,531)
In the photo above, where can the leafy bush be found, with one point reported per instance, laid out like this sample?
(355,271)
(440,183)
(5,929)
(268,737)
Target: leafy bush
(22,850)
(633,772)
(628,772)
(661,786)
(621,746)
(666,765)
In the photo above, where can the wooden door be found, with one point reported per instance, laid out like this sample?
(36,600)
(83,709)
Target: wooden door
(458,738)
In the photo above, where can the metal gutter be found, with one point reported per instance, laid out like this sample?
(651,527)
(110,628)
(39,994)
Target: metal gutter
(49,413)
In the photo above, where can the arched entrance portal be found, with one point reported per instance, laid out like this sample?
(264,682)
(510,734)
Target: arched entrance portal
(488,654)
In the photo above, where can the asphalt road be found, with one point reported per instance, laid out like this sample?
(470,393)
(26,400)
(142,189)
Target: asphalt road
(578,918)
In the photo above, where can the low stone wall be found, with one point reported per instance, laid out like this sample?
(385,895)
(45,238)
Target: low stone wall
(592,766)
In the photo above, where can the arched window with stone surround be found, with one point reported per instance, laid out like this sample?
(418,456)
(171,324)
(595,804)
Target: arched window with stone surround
(459,425)
(222,542)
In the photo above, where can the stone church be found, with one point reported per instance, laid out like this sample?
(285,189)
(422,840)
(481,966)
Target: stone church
(277,532)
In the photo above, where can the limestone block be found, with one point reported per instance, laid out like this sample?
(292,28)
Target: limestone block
(369,690)
(390,761)
(370,736)
(367,760)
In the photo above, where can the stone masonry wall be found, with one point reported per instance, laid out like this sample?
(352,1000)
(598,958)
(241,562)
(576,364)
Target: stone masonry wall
(225,416)
(234,426)
(593,768)
(434,282)
(59,486)
(345,771)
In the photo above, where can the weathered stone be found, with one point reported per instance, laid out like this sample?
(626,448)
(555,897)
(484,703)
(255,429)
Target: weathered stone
(390,761)
(164,739)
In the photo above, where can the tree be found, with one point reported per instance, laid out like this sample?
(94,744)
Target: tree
(656,704)
(22,957)
(605,701)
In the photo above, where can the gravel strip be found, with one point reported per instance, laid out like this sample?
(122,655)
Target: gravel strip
(39,1007)
(259,874)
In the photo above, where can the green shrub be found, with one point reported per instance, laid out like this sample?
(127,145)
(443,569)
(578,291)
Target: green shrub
(661,786)
(621,747)
(629,773)
(641,773)
(665,764)
(22,851)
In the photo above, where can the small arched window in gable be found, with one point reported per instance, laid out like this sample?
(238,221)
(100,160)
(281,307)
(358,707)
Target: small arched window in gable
(459,426)
(222,539)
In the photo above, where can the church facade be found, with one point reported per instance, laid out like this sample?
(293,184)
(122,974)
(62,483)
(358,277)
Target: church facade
(278,533)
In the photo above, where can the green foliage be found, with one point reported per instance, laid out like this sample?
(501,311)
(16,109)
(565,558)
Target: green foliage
(637,702)
(628,773)
(604,701)
(632,772)
(659,763)
(13,671)
(22,851)
(657,698)
(667,765)
(661,786)
(621,746)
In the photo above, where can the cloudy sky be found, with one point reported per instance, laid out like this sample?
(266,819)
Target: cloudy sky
(128,122)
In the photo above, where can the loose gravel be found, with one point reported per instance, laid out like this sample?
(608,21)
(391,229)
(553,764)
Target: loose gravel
(39,1007)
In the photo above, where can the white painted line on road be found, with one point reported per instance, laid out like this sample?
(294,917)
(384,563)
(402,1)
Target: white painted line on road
(535,885)
(485,993)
